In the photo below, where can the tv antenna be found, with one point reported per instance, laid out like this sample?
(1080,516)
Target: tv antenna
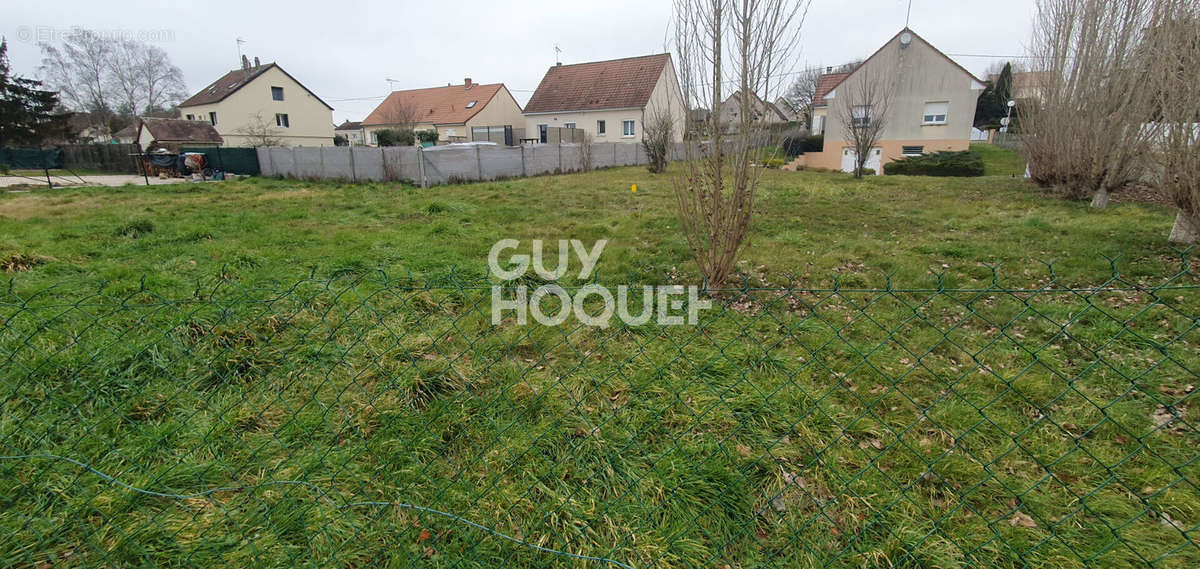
(908,14)
(391,83)
(240,41)
(557,55)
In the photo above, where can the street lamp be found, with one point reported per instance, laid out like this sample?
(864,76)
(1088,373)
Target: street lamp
(1008,119)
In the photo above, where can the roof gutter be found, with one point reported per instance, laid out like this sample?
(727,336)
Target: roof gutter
(642,108)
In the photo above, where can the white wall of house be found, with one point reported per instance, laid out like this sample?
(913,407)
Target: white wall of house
(922,77)
(310,122)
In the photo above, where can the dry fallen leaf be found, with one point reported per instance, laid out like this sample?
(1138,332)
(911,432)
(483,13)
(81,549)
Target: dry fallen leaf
(1023,520)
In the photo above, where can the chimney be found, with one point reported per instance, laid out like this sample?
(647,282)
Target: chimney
(256,63)
(829,70)
(245,63)
(467,82)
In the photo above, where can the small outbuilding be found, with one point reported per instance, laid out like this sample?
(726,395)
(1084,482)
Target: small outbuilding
(173,133)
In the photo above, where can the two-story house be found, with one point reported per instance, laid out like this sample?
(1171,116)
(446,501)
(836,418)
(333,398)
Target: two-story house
(260,102)
(610,100)
(930,105)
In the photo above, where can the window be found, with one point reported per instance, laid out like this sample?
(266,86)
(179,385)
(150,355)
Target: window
(627,128)
(935,113)
(861,116)
(212,118)
(570,125)
(471,104)
(281,119)
(191,117)
(912,150)
(542,133)
(374,137)
(277,93)
(599,127)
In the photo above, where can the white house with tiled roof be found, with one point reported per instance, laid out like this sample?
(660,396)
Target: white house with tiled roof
(610,100)
(235,103)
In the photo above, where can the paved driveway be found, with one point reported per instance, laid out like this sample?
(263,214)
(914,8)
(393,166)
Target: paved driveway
(68,180)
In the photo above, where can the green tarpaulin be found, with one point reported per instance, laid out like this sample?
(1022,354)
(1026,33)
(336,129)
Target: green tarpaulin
(31,158)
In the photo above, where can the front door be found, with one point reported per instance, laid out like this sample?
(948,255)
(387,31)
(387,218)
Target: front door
(542,132)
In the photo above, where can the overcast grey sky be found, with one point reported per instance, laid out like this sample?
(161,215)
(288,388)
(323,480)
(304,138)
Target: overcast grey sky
(344,50)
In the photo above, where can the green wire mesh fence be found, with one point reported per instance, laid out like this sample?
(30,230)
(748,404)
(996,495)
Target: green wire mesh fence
(365,421)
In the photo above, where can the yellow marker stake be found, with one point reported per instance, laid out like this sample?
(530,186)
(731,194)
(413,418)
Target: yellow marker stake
(633,188)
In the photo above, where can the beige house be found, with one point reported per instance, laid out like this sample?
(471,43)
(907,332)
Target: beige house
(764,112)
(610,100)
(931,108)
(353,131)
(459,113)
(257,101)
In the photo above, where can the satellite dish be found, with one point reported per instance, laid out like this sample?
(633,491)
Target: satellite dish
(905,39)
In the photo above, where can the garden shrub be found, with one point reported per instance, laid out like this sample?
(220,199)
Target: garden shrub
(394,137)
(959,164)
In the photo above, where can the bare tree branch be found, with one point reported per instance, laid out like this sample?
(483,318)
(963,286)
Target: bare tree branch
(861,106)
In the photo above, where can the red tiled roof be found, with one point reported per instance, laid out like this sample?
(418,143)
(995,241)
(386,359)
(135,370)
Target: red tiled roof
(614,84)
(825,84)
(436,105)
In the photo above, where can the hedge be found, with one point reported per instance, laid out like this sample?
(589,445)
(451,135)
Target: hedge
(960,164)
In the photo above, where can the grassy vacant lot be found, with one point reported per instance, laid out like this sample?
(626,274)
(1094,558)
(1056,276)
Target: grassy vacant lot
(999,162)
(791,429)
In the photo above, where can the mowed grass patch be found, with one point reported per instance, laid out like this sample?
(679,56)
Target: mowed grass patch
(790,429)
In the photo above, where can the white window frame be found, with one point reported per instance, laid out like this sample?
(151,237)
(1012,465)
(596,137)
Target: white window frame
(935,118)
(212,117)
(860,115)
(628,128)
(601,128)
(282,121)
(570,125)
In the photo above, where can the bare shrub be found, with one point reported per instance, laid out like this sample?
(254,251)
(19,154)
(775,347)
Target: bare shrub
(259,132)
(657,134)
(746,43)
(1084,136)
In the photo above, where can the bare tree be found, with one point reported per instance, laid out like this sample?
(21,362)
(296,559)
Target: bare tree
(861,107)
(1084,136)
(1172,54)
(401,115)
(657,134)
(259,132)
(162,85)
(803,90)
(79,71)
(744,43)
(105,75)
